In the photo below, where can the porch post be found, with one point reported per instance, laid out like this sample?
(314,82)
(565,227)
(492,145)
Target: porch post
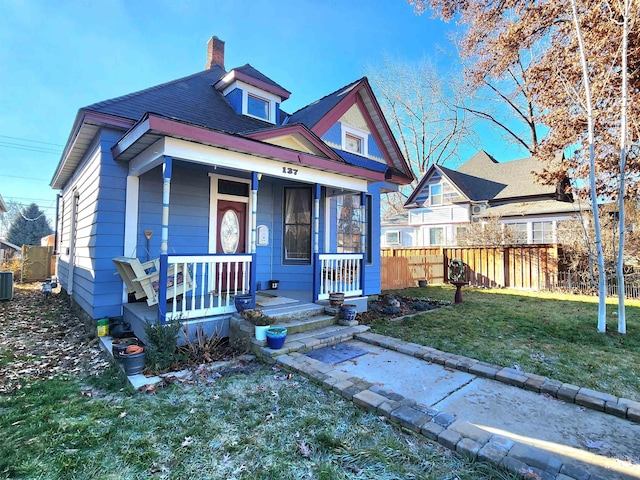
(316,240)
(167,168)
(363,237)
(253,274)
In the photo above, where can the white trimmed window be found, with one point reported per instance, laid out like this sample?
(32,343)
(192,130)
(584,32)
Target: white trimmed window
(435,194)
(354,140)
(257,107)
(436,236)
(392,237)
(542,232)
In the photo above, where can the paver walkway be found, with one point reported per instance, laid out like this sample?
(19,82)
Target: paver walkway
(535,433)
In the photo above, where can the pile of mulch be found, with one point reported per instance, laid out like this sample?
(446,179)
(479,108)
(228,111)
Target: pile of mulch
(41,338)
(394,306)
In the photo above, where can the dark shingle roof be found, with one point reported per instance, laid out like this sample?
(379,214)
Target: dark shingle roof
(247,69)
(474,188)
(312,113)
(360,161)
(487,179)
(190,99)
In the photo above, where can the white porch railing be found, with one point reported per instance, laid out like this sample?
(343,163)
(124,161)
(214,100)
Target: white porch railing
(215,279)
(340,272)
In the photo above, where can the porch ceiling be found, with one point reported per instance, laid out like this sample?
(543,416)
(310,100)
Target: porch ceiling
(153,128)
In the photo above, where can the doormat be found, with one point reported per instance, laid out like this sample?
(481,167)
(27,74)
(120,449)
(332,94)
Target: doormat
(336,354)
(268,300)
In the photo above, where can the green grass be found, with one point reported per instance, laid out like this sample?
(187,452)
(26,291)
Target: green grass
(553,335)
(255,425)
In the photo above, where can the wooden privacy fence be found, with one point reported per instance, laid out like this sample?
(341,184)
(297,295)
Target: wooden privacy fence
(38,263)
(520,266)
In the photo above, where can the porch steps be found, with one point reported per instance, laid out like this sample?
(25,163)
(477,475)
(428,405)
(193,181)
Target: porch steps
(308,340)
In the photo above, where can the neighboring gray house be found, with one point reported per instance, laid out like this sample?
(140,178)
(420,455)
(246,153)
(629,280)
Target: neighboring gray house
(396,231)
(211,177)
(446,201)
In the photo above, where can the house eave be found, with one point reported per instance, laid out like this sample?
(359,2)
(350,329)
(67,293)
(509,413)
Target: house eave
(153,127)
(86,125)
(235,75)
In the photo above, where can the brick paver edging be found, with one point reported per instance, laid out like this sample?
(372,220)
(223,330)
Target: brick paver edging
(604,402)
(441,427)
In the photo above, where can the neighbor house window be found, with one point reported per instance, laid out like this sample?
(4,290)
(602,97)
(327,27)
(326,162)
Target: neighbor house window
(519,232)
(542,232)
(349,224)
(435,194)
(461,234)
(297,225)
(436,236)
(258,107)
(353,143)
(392,237)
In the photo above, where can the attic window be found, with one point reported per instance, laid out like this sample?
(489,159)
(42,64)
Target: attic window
(257,107)
(353,143)
(354,140)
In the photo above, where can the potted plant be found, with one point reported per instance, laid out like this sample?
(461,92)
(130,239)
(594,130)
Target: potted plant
(276,337)
(260,321)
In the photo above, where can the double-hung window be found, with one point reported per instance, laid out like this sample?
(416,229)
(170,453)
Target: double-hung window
(435,193)
(297,225)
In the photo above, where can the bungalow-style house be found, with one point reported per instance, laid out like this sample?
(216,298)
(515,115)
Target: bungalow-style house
(445,202)
(222,191)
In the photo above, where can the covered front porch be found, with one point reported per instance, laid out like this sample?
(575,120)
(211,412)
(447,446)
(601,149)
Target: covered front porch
(202,288)
(232,222)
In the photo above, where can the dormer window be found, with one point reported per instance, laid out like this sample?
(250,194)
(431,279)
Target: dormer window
(258,107)
(354,140)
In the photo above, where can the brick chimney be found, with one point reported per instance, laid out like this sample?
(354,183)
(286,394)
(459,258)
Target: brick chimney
(215,53)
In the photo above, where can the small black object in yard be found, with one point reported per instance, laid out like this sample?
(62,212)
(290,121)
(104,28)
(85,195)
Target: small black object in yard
(273,284)
(118,328)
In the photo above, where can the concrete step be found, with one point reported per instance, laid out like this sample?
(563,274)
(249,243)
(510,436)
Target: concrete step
(308,340)
(299,325)
(293,311)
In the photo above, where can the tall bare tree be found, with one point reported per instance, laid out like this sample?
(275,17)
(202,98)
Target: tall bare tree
(576,80)
(423,113)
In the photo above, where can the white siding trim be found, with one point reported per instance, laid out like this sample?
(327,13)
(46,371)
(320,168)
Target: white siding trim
(209,155)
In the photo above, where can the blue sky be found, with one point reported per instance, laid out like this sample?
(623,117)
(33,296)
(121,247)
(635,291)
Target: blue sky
(58,56)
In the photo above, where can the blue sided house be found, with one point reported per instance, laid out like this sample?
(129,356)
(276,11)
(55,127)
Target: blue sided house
(180,197)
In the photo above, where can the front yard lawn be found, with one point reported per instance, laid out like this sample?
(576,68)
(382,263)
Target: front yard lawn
(66,414)
(554,335)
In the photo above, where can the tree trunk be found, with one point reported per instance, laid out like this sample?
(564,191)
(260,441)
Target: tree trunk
(602,279)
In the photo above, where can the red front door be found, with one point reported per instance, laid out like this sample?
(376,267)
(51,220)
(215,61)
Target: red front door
(231,235)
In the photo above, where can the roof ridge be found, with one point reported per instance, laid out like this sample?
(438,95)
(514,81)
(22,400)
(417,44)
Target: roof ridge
(351,85)
(121,98)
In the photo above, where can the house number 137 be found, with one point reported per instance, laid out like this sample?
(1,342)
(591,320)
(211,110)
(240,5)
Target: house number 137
(290,171)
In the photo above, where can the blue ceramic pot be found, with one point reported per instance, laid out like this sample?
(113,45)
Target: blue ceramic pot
(348,312)
(244,302)
(276,337)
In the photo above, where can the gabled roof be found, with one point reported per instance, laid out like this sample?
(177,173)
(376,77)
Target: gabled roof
(250,75)
(483,179)
(510,179)
(194,100)
(314,112)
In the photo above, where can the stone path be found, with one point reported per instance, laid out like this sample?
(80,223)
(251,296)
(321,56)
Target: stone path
(537,427)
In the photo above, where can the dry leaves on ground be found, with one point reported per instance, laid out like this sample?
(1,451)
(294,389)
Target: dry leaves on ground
(41,338)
